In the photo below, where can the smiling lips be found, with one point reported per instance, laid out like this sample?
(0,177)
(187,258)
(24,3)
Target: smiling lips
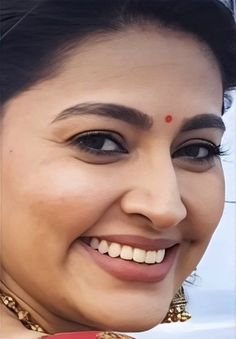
(116,250)
(131,258)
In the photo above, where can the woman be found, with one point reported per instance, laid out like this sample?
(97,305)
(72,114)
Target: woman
(112,184)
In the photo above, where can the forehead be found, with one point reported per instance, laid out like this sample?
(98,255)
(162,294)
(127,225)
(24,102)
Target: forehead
(136,50)
(152,70)
(156,57)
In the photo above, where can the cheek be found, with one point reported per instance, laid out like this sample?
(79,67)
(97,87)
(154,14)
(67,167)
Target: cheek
(57,202)
(204,197)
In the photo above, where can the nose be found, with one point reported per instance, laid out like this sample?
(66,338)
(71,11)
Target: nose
(154,194)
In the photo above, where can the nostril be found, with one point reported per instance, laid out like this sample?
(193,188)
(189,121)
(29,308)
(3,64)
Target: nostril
(159,209)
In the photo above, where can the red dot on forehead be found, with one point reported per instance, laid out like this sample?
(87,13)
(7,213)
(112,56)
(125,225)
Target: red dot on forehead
(168,118)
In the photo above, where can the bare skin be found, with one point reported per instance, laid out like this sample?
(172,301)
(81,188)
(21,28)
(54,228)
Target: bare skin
(60,192)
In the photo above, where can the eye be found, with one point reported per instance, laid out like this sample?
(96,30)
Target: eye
(194,152)
(99,143)
(203,151)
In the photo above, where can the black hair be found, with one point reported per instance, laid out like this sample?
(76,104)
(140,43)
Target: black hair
(37,34)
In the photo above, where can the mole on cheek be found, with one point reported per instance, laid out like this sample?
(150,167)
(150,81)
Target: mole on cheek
(168,118)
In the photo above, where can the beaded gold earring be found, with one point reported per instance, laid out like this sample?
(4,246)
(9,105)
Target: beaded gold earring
(177,311)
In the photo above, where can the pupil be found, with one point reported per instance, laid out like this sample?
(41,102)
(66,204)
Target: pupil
(192,151)
(95,141)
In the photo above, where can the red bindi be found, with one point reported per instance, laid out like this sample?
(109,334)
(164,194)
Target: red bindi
(168,118)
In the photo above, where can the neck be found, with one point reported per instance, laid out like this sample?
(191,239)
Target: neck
(49,321)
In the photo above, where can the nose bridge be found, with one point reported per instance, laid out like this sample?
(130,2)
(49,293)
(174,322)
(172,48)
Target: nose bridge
(154,193)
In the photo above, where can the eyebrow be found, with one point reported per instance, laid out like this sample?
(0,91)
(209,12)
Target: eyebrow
(137,118)
(127,114)
(207,120)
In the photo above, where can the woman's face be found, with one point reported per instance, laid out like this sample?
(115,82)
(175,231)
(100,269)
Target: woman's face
(121,146)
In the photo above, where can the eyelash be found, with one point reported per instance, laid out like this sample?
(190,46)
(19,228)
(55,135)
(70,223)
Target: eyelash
(212,151)
(79,142)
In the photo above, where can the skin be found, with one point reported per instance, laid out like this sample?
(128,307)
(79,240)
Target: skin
(59,192)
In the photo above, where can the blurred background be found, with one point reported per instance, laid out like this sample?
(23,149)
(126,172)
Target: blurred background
(231,4)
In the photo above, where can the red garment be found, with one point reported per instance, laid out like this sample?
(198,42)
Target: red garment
(88,335)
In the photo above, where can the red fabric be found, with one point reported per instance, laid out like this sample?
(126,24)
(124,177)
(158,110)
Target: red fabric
(74,335)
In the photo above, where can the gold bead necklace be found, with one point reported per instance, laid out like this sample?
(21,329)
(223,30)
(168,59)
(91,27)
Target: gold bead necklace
(24,316)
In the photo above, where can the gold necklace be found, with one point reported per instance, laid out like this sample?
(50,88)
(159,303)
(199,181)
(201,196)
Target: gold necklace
(24,316)
(27,320)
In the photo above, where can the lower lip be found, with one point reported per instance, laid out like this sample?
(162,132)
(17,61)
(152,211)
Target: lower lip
(130,270)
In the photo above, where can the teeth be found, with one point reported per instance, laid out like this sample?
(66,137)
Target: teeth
(126,252)
(139,255)
(160,256)
(114,250)
(150,257)
(94,243)
(103,247)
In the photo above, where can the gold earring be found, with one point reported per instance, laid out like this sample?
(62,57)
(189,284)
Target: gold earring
(177,310)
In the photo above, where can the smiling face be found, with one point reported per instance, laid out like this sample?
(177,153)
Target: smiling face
(120,146)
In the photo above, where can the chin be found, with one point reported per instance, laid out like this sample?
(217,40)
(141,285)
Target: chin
(134,327)
(130,324)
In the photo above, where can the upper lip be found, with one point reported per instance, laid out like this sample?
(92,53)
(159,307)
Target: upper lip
(137,241)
